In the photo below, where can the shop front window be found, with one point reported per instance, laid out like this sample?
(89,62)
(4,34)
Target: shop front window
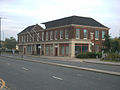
(81,48)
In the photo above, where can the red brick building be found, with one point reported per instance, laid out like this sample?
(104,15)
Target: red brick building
(63,37)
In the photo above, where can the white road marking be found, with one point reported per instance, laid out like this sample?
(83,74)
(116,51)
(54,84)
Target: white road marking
(25,68)
(79,75)
(8,64)
(57,78)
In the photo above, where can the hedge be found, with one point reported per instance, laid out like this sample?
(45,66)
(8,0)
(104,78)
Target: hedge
(89,55)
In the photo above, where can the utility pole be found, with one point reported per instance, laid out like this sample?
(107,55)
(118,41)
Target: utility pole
(0,35)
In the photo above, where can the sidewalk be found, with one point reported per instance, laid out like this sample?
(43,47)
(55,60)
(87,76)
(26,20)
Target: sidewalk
(94,61)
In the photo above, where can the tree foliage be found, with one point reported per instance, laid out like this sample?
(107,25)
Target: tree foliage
(107,44)
(10,43)
(111,45)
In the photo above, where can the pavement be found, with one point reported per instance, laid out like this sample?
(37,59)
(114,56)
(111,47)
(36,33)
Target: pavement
(24,75)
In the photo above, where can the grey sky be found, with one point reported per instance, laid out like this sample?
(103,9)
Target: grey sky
(22,13)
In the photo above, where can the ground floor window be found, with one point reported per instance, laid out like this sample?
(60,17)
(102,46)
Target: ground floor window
(64,49)
(29,49)
(81,48)
(96,48)
(49,50)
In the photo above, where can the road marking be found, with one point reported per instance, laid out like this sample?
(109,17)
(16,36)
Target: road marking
(25,68)
(79,75)
(2,84)
(57,78)
(8,64)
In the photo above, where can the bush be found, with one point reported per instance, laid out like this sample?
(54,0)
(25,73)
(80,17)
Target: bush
(89,55)
(113,55)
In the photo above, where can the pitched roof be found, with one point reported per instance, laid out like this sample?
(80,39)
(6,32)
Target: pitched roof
(30,28)
(73,20)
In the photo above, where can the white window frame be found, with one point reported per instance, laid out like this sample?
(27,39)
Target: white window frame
(51,35)
(47,36)
(56,32)
(22,39)
(85,34)
(42,36)
(66,34)
(27,38)
(96,33)
(61,34)
(38,35)
(77,35)
(103,35)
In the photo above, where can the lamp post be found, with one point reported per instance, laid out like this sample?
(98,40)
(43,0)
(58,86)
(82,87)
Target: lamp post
(0,37)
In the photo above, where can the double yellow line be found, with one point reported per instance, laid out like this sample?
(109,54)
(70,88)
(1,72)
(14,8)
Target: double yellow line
(2,84)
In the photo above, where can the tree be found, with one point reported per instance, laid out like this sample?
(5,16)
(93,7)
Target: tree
(115,44)
(10,43)
(107,44)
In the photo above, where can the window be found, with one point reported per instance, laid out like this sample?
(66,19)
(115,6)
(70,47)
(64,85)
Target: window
(77,33)
(97,48)
(61,34)
(96,35)
(85,34)
(103,34)
(91,36)
(46,35)
(33,36)
(51,35)
(42,36)
(38,36)
(22,39)
(66,34)
(56,33)
(81,48)
(27,38)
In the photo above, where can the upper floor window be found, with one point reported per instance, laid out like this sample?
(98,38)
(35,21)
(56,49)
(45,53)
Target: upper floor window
(27,38)
(46,35)
(85,34)
(22,39)
(77,33)
(91,35)
(51,35)
(56,33)
(66,34)
(61,34)
(96,35)
(42,36)
(38,36)
(103,34)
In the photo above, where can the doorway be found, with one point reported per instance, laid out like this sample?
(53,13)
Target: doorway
(56,51)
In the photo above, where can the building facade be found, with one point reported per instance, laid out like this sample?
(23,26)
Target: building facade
(63,37)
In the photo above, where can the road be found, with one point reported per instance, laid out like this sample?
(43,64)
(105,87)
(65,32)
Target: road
(23,75)
(80,64)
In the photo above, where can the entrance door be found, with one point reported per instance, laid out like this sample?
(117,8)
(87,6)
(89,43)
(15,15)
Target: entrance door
(38,49)
(56,51)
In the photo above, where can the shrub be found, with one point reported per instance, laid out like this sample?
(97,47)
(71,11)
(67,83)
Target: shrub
(89,55)
(113,55)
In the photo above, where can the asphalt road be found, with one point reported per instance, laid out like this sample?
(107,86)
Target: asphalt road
(80,64)
(23,75)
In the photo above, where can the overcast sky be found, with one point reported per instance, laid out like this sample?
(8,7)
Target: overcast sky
(18,14)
